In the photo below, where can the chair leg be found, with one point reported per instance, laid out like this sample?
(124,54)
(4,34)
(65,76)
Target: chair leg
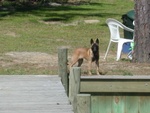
(119,50)
(107,50)
(130,55)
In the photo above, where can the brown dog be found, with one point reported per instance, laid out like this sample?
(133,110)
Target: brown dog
(90,54)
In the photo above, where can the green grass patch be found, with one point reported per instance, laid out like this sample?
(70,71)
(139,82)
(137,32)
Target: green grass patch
(45,29)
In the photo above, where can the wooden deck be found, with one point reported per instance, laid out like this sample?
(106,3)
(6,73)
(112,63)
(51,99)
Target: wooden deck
(33,94)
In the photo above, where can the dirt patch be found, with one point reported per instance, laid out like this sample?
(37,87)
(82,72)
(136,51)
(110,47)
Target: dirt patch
(29,63)
(43,62)
(70,24)
(30,57)
(91,21)
(59,23)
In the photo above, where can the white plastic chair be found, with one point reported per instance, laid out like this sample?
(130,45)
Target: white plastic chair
(114,26)
(130,54)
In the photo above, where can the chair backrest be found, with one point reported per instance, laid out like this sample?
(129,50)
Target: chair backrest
(134,23)
(114,26)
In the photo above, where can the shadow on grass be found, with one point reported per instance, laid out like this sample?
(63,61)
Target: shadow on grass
(59,13)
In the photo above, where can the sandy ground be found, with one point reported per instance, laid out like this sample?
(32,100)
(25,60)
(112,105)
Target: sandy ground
(44,60)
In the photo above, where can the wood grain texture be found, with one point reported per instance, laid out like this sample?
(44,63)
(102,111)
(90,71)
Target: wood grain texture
(33,94)
(118,104)
(128,84)
(83,103)
(101,104)
(132,104)
(117,94)
(74,85)
(116,77)
(62,67)
(144,104)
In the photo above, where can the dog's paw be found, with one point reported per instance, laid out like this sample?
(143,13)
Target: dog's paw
(89,73)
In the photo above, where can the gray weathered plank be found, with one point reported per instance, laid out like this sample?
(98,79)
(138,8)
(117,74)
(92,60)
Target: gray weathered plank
(136,84)
(116,86)
(115,77)
(33,94)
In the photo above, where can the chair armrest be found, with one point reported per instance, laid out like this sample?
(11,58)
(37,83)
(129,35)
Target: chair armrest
(128,29)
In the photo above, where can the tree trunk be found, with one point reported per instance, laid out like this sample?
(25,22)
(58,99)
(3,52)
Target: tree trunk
(142,31)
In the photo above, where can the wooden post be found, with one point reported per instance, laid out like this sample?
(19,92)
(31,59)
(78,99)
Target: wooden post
(83,103)
(74,85)
(62,67)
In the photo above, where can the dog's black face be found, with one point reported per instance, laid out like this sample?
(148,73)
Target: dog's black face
(95,49)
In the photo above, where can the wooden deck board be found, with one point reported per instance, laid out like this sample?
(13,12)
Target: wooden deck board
(33,94)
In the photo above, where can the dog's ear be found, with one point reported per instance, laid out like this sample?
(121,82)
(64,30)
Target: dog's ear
(92,41)
(97,41)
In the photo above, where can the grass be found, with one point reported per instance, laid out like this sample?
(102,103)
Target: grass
(26,29)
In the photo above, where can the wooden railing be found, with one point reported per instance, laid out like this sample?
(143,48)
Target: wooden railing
(63,68)
(108,94)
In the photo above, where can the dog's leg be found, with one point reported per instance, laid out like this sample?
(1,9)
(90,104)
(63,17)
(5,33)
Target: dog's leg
(97,69)
(89,67)
(74,60)
(80,61)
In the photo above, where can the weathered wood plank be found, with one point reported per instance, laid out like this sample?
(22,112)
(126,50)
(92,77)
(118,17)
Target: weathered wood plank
(74,86)
(115,77)
(126,84)
(83,103)
(33,94)
(132,104)
(101,104)
(95,104)
(115,86)
(63,69)
(118,104)
(144,104)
